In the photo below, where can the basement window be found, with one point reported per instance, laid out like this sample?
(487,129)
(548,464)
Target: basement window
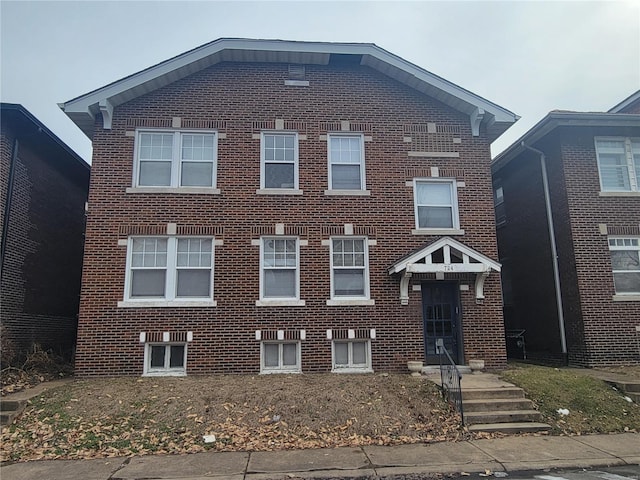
(165,359)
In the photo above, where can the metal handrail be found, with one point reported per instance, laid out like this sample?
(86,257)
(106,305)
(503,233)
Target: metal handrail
(451,379)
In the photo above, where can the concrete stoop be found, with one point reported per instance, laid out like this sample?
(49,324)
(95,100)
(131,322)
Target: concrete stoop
(630,388)
(9,410)
(501,409)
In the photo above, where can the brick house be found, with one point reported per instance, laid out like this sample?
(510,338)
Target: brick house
(569,190)
(43,190)
(275,206)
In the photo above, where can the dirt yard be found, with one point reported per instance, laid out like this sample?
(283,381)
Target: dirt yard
(132,416)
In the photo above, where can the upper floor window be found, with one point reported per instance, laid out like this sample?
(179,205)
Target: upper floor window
(619,164)
(279,268)
(625,263)
(279,160)
(169,269)
(349,268)
(498,202)
(346,162)
(436,204)
(175,159)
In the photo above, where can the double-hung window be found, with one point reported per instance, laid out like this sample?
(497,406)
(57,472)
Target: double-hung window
(346,162)
(625,263)
(279,160)
(280,274)
(349,268)
(169,269)
(619,164)
(280,357)
(174,159)
(351,356)
(436,204)
(165,359)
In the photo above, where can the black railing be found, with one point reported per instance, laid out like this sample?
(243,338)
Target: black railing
(450,377)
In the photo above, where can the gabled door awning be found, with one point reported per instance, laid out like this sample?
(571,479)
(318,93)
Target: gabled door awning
(441,257)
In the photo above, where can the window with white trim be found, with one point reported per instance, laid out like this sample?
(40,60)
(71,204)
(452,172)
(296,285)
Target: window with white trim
(279,265)
(280,357)
(498,202)
(279,160)
(349,268)
(166,158)
(351,356)
(165,359)
(436,203)
(169,268)
(619,164)
(625,263)
(346,162)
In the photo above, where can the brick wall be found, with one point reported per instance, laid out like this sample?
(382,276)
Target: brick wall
(223,336)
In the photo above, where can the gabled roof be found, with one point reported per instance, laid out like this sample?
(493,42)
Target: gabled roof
(83,109)
(630,100)
(420,260)
(557,119)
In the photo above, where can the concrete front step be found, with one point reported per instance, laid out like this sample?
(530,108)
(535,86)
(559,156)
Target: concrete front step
(9,410)
(492,393)
(512,427)
(500,404)
(502,416)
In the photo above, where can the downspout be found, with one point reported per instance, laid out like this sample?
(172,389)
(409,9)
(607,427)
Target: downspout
(7,206)
(552,241)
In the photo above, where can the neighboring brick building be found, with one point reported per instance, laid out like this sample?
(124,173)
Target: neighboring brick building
(43,191)
(291,167)
(590,315)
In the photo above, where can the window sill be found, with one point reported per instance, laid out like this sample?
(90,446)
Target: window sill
(437,231)
(362,193)
(619,194)
(348,303)
(166,304)
(627,298)
(352,370)
(280,303)
(165,374)
(279,191)
(180,190)
(283,371)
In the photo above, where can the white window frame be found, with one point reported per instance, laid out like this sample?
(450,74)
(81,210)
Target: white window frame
(295,162)
(363,181)
(365,268)
(636,248)
(280,368)
(165,371)
(632,169)
(170,299)
(454,207)
(176,159)
(351,367)
(264,299)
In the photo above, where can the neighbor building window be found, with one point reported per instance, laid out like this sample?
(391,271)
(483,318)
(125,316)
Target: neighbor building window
(175,159)
(346,162)
(169,268)
(498,202)
(619,164)
(165,359)
(279,160)
(280,357)
(351,356)
(279,276)
(436,204)
(349,268)
(625,263)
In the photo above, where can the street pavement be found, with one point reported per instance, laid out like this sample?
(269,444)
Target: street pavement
(487,457)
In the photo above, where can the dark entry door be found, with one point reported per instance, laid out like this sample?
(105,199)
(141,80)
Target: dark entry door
(440,317)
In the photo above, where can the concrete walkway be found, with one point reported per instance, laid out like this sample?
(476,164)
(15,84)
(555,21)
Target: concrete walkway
(508,454)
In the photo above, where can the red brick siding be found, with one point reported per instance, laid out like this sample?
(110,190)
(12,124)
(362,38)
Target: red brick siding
(224,336)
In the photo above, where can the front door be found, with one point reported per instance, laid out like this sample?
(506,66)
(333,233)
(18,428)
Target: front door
(440,314)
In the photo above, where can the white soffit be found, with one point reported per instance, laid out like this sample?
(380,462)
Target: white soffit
(83,109)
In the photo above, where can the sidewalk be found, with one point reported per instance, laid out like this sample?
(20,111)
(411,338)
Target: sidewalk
(507,454)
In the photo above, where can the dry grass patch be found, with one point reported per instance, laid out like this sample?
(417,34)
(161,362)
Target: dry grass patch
(129,416)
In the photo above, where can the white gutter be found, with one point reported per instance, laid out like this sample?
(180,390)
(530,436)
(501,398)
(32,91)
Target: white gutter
(552,240)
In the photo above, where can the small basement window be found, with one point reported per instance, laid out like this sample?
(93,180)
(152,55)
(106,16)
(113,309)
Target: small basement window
(353,356)
(280,357)
(165,359)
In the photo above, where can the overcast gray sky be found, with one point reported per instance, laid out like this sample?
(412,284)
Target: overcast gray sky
(529,57)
